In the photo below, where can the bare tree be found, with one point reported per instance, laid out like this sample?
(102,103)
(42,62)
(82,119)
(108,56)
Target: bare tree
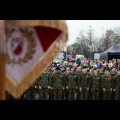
(87,43)
(90,38)
(116,35)
(108,40)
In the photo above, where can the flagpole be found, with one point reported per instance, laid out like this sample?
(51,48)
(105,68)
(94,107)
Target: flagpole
(2,59)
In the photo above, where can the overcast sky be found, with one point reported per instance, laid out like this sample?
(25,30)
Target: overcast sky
(99,27)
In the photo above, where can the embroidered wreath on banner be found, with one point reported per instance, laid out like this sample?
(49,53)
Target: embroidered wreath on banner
(30,47)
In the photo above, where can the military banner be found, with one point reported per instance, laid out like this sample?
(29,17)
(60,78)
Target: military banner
(31,47)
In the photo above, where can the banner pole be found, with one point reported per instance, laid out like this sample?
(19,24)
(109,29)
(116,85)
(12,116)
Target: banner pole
(2,59)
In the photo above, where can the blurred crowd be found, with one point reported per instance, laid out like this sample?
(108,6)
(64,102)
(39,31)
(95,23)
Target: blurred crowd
(81,63)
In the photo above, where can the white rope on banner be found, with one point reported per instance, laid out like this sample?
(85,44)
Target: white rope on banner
(2,37)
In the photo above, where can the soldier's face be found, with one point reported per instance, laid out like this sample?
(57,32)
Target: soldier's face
(90,70)
(107,72)
(113,70)
(95,71)
(62,69)
(53,69)
(118,72)
(85,70)
(78,68)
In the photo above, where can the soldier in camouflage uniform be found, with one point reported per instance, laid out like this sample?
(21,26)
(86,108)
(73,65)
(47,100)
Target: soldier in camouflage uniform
(90,74)
(38,90)
(95,86)
(78,80)
(57,84)
(101,73)
(64,86)
(31,92)
(43,86)
(66,82)
(63,80)
(50,86)
(84,85)
(106,85)
(117,86)
(113,73)
(49,72)
(89,78)
(71,85)
(78,84)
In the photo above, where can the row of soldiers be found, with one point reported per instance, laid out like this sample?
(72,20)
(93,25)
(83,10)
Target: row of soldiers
(84,84)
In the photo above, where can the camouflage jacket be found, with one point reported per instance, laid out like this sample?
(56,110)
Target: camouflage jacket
(85,80)
(57,80)
(96,82)
(71,80)
(64,80)
(117,82)
(106,83)
(78,78)
(100,78)
(43,80)
(90,79)
(113,82)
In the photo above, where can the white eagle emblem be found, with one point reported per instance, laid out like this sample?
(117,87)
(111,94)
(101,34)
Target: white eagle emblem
(17,45)
(21,46)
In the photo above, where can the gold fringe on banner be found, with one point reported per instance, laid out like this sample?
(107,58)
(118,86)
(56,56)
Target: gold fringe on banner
(18,89)
(56,24)
(2,37)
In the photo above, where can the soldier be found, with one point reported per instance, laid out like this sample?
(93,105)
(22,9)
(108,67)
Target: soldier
(57,84)
(77,77)
(50,86)
(84,85)
(95,85)
(101,73)
(89,78)
(37,90)
(78,84)
(90,74)
(106,85)
(71,85)
(113,73)
(49,73)
(117,86)
(64,86)
(43,85)
(66,82)
(31,92)
(63,80)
